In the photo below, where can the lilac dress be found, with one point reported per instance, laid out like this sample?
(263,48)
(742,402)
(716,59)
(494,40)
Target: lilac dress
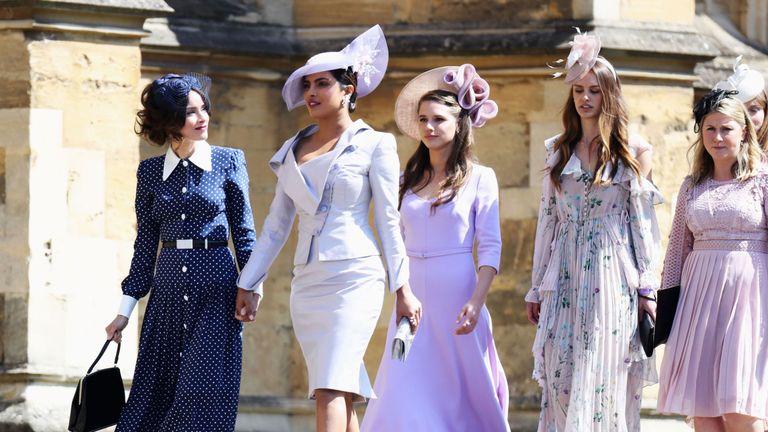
(595,246)
(448,382)
(716,358)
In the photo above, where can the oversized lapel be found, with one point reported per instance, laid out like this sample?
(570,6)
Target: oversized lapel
(283,163)
(344,144)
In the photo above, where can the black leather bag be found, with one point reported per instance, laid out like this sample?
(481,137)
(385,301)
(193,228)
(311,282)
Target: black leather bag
(99,397)
(653,334)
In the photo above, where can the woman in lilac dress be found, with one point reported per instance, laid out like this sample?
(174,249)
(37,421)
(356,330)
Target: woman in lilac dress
(452,379)
(715,366)
(594,258)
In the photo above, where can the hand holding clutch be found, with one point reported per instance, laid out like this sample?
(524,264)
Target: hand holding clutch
(653,334)
(401,344)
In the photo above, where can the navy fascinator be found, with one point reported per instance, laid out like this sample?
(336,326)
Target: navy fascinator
(708,103)
(170,92)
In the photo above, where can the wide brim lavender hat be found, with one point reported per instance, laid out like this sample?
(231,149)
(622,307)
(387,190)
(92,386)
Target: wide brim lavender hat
(748,83)
(470,89)
(367,55)
(584,54)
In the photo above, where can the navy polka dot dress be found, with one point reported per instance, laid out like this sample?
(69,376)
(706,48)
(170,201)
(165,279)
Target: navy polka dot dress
(190,352)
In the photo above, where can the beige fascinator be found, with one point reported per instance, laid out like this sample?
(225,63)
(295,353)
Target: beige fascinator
(585,50)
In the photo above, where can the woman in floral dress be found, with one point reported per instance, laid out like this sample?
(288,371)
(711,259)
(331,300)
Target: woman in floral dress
(594,260)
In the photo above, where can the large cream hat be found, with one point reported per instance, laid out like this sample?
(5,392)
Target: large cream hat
(471,91)
(747,82)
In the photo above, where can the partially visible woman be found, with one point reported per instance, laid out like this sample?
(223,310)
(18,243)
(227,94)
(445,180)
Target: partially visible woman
(188,202)
(750,87)
(328,173)
(595,257)
(715,366)
(452,379)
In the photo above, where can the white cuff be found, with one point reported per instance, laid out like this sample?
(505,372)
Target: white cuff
(127,305)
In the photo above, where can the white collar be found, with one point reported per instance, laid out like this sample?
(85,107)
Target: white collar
(201,157)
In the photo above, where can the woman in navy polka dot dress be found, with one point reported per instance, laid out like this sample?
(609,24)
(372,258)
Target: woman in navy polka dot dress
(187,202)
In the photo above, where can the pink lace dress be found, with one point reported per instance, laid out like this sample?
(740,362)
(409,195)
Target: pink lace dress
(595,246)
(716,358)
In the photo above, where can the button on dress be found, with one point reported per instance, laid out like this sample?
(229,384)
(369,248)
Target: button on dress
(190,353)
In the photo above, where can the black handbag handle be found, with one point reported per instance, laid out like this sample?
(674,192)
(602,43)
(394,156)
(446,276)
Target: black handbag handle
(101,353)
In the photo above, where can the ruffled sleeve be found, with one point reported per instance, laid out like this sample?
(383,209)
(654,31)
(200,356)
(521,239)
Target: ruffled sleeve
(680,239)
(546,227)
(644,229)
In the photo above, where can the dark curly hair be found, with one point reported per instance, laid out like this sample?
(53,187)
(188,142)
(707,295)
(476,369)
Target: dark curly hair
(347,77)
(164,103)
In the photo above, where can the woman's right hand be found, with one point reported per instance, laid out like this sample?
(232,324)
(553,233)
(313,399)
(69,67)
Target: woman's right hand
(115,328)
(533,310)
(246,305)
(408,306)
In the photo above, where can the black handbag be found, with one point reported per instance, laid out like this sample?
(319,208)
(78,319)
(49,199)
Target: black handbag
(99,397)
(653,334)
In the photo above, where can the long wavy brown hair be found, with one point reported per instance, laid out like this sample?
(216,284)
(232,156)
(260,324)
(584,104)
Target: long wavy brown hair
(762,133)
(418,170)
(614,135)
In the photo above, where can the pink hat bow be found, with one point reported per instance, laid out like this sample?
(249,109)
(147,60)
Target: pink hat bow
(473,93)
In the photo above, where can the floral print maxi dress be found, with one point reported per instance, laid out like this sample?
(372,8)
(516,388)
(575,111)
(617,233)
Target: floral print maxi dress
(595,246)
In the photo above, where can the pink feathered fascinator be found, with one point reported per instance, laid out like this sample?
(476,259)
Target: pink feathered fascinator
(470,89)
(585,50)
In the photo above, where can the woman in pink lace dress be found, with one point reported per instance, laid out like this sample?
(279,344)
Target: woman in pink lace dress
(715,366)
(594,259)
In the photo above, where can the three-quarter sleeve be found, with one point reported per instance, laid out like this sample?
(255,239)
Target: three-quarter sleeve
(384,176)
(644,229)
(238,208)
(487,225)
(274,234)
(680,239)
(546,227)
(139,280)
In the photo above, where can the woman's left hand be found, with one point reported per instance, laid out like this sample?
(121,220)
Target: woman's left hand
(467,319)
(647,305)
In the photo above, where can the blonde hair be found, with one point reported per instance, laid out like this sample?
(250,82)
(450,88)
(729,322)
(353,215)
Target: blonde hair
(750,155)
(762,133)
(614,135)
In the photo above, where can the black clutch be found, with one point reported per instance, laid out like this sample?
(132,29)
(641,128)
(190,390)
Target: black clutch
(99,397)
(653,334)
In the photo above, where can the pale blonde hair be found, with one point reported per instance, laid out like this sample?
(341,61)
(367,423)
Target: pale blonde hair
(750,156)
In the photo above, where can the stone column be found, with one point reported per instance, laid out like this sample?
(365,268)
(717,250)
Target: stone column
(68,158)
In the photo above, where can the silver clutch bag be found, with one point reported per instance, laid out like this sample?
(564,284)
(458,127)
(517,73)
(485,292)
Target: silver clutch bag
(401,344)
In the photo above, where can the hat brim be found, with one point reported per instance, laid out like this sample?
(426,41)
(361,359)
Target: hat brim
(407,103)
(371,44)
(293,89)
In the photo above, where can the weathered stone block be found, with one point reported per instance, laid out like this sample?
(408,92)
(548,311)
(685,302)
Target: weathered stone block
(15,329)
